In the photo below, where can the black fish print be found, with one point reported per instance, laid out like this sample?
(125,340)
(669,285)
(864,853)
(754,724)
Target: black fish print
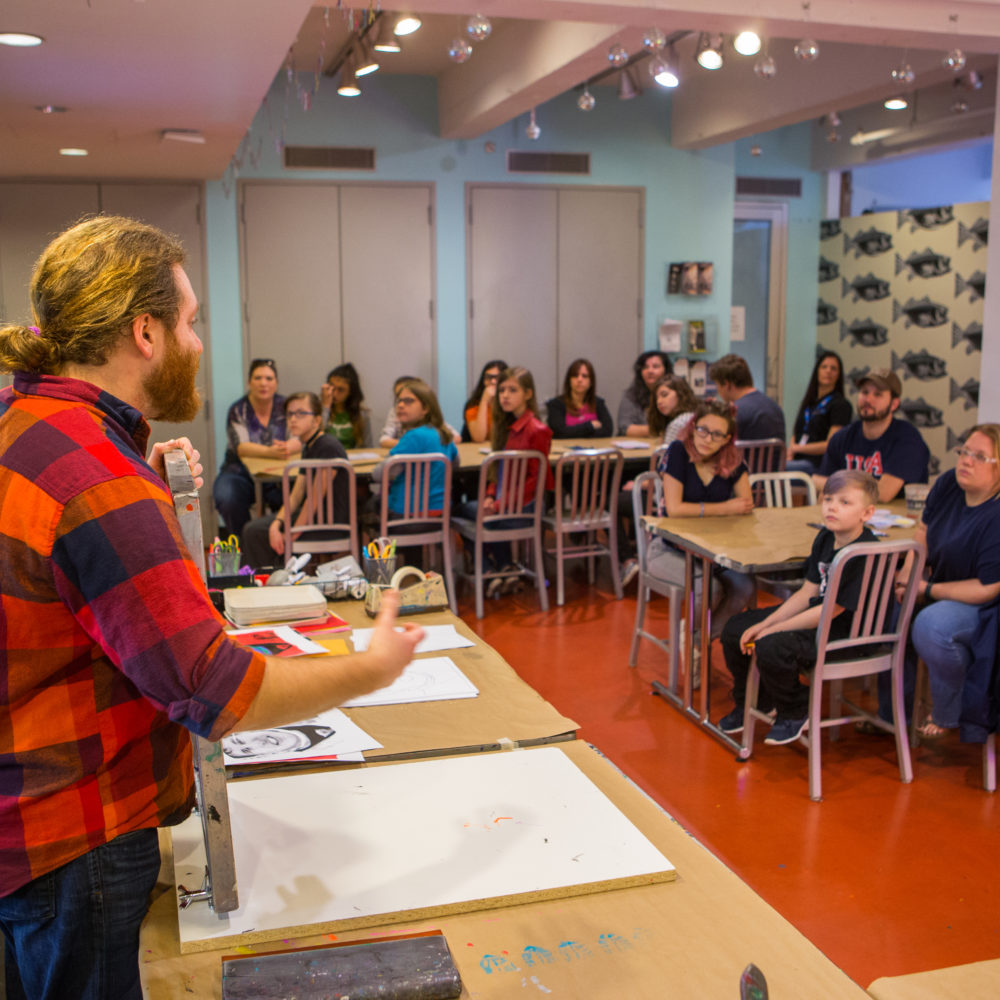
(922,365)
(925,264)
(920,312)
(826,312)
(972,335)
(829,270)
(869,288)
(851,379)
(925,218)
(864,332)
(968,393)
(933,466)
(869,243)
(953,440)
(978,232)
(920,413)
(976,283)
(829,228)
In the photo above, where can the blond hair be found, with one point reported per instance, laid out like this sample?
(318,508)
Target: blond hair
(87,286)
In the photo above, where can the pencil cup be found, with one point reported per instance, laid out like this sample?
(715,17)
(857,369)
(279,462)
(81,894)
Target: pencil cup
(224,563)
(379,570)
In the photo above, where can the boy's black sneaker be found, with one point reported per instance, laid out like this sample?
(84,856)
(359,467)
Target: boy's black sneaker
(786,731)
(732,723)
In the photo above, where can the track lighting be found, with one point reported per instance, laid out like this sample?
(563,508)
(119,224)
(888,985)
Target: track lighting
(709,51)
(747,43)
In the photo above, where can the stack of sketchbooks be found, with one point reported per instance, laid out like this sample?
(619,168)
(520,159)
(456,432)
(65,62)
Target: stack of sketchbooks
(251,605)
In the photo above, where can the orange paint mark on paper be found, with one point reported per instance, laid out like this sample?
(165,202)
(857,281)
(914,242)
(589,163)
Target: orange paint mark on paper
(497,820)
(332,937)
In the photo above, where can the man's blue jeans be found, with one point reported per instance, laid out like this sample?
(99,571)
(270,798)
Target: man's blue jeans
(74,933)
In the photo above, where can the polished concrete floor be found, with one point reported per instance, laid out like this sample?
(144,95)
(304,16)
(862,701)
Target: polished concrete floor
(885,878)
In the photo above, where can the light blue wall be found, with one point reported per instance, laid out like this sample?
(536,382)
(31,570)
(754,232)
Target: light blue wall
(785,154)
(689,198)
(944,178)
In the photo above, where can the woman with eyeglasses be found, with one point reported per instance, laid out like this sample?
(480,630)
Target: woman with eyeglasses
(262,540)
(705,476)
(255,428)
(955,632)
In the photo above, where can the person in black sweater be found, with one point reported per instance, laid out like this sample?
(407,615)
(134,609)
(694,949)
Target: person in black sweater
(579,412)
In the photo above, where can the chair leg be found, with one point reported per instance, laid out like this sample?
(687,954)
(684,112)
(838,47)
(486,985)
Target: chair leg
(676,599)
(540,581)
(899,724)
(478,578)
(449,575)
(615,565)
(814,740)
(990,763)
(640,616)
(749,719)
(560,567)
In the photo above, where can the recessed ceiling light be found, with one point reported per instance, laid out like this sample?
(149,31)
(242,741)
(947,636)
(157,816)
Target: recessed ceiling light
(895,103)
(73,151)
(20,39)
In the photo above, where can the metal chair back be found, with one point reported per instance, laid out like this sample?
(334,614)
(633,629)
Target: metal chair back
(588,482)
(778,489)
(319,530)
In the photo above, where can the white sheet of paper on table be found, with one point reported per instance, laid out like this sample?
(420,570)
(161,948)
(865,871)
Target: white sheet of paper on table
(403,837)
(434,678)
(436,638)
(347,741)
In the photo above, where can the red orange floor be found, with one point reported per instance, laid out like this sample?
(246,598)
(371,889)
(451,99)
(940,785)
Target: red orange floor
(885,878)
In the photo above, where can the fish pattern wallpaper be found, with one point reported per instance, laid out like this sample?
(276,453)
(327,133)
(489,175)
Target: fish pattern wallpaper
(904,290)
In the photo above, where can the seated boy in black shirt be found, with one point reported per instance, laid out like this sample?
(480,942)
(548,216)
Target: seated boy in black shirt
(785,636)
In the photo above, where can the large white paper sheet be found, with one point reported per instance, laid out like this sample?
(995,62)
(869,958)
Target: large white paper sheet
(434,678)
(436,638)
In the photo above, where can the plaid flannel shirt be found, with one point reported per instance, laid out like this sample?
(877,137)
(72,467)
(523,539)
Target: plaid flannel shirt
(109,646)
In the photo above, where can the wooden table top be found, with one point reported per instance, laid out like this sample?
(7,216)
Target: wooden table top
(688,938)
(766,539)
(470,454)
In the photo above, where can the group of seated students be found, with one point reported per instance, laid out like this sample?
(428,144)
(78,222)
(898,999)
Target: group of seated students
(855,465)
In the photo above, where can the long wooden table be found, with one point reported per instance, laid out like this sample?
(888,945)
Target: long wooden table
(507,713)
(470,454)
(688,938)
(765,540)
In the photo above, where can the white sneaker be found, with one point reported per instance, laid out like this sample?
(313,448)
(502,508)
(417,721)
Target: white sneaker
(630,570)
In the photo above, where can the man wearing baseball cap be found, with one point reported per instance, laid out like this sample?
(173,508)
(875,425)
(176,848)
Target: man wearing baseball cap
(891,450)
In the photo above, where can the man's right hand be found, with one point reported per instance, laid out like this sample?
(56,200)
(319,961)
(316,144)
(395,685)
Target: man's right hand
(392,643)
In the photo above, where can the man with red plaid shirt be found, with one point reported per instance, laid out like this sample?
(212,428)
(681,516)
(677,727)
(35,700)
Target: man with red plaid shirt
(109,646)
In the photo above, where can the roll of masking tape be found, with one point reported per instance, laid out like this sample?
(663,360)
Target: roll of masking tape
(404,573)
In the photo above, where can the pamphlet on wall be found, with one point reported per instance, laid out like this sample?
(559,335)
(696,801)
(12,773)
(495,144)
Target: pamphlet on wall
(671,333)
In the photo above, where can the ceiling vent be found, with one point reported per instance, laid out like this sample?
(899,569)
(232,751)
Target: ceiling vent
(520,162)
(329,158)
(774,187)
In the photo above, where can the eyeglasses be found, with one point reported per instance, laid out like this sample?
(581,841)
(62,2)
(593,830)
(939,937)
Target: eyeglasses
(977,456)
(406,400)
(491,378)
(300,413)
(704,432)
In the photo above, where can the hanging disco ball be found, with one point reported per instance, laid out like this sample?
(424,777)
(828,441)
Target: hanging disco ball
(459,50)
(806,50)
(766,68)
(478,28)
(903,74)
(954,60)
(586,101)
(618,55)
(653,40)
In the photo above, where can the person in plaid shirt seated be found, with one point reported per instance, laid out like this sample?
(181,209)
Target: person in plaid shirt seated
(110,649)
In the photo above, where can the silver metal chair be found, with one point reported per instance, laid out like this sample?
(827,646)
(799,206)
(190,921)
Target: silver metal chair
(319,530)
(587,486)
(876,644)
(647,499)
(418,523)
(510,469)
(777,489)
(765,455)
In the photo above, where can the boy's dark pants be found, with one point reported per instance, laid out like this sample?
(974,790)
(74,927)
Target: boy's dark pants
(781,657)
